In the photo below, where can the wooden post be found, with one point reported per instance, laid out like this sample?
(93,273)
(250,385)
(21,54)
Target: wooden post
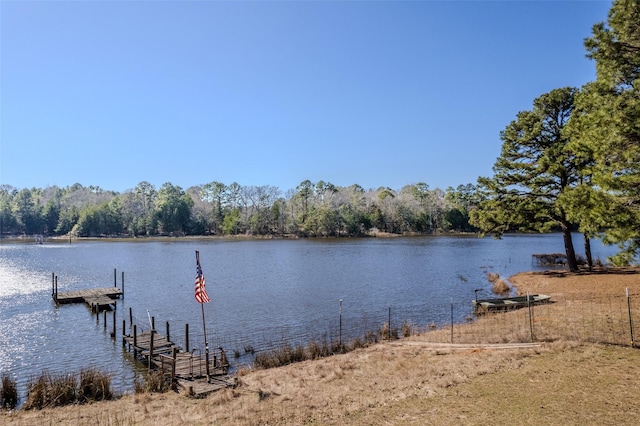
(135,340)
(115,278)
(151,348)
(168,339)
(186,337)
(53,285)
(130,317)
(56,289)
(123,284)
(124,332)
(105,316)
(153,323)
(114,324)
(173,365)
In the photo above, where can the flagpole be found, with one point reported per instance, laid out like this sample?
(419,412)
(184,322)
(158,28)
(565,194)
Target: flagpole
(204,328)
(206,344)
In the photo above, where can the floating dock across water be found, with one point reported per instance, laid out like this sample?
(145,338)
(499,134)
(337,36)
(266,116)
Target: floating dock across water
(98,299)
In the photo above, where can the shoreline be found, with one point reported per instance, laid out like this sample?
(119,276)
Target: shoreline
(410,380)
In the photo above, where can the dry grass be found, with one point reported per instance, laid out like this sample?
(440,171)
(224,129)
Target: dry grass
(500,286)
(414,381)
(8,392)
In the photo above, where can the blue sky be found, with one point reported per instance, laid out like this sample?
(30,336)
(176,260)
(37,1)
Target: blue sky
(384,93)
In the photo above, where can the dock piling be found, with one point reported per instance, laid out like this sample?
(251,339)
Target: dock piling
(113,335)
(186,337)
(151,349)
(135,340)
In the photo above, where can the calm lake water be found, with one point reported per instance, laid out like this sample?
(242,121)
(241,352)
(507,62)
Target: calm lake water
(263,292)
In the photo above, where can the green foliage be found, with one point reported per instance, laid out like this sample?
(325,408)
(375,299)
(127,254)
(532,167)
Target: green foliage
(606,129)
(230,222)
(532,173)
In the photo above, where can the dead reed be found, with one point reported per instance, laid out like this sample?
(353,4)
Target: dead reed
(94,386)
(152,382)
(8,393)
(321,348)
(500,286)
(50,390)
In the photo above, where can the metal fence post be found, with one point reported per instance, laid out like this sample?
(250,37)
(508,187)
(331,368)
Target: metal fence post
(452,321)
(530,316)
(630,319)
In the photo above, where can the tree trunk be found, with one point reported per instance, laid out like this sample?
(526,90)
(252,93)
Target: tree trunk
(587,251)
(568,247)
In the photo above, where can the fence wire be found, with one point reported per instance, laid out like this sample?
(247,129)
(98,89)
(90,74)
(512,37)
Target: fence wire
(601,319)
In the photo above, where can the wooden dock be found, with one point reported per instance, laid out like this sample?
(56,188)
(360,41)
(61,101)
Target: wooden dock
(187,369)
(97,298)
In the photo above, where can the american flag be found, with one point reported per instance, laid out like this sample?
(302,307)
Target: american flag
(201,292)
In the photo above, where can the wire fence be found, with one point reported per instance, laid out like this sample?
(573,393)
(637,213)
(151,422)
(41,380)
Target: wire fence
(589,318)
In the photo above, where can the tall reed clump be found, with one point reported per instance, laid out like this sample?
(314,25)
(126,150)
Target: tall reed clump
(500,286)
(94,386)
(153,382)
(49,390)
(8,393)
(388,334)
(286,354)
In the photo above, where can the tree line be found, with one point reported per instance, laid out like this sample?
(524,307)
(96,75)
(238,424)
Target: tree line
(318,209)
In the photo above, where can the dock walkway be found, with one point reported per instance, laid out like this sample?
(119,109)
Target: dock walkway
(187,369)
